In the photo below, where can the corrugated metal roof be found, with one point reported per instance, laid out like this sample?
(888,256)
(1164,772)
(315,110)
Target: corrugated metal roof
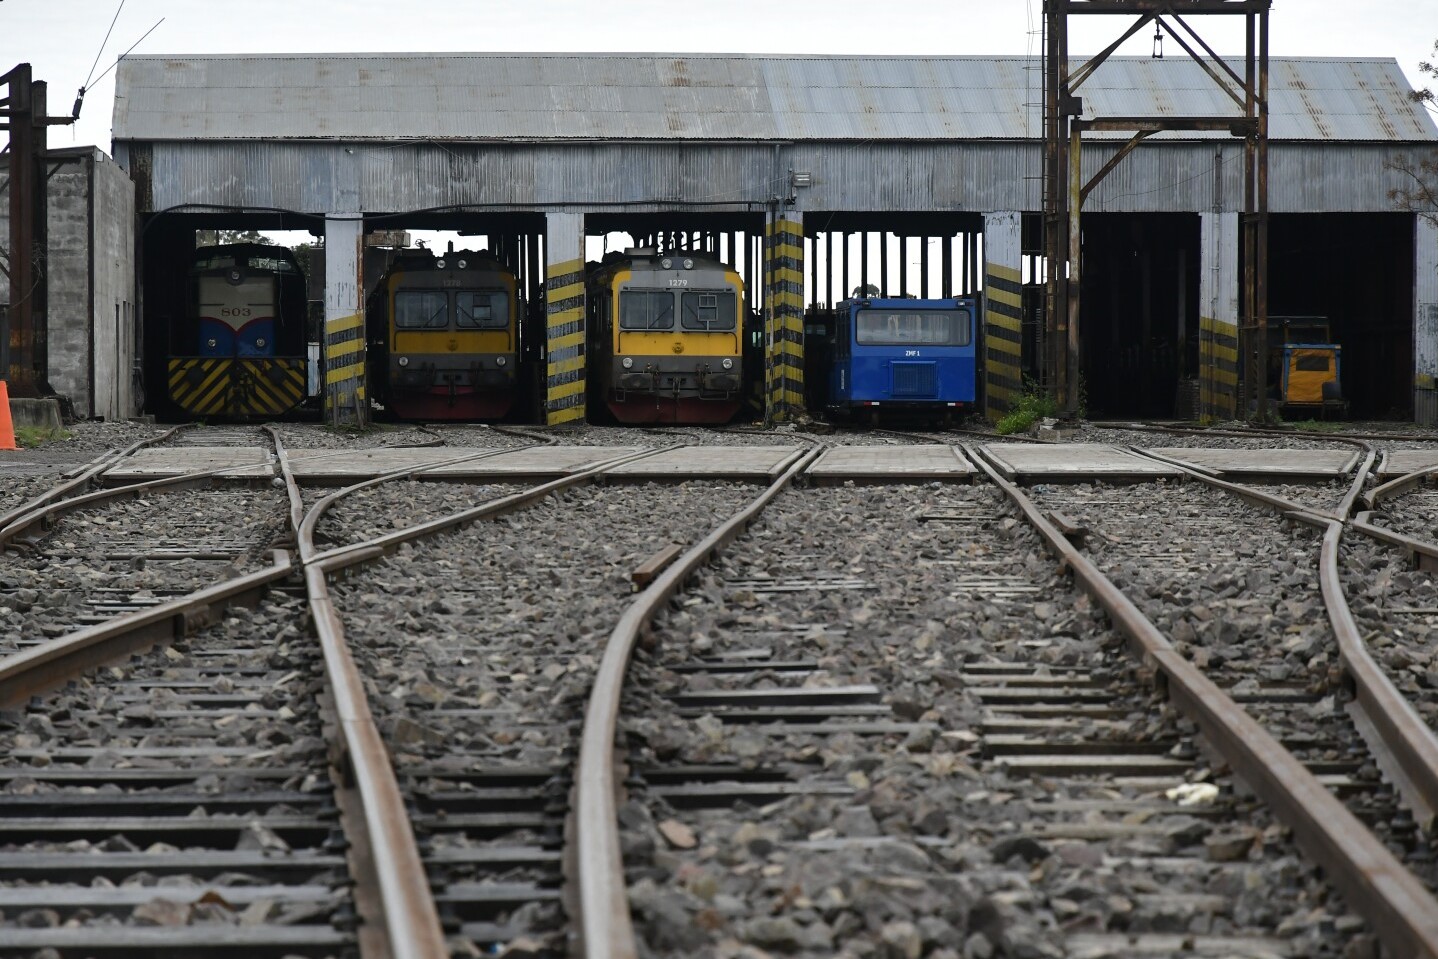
(715,97)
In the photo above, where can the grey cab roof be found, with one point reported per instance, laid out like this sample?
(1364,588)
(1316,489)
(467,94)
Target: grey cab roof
(721,97)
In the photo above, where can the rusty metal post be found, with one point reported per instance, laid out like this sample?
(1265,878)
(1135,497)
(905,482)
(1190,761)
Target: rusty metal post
(19,334)
(1057,224)
(1260,260)
(1072,374)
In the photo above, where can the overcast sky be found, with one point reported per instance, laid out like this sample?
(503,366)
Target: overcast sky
(61,38)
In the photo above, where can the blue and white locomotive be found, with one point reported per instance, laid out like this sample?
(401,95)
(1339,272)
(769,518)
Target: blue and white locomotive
(907,356)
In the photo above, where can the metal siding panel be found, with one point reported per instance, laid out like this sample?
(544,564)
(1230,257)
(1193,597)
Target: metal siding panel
(993,175)
(631,96)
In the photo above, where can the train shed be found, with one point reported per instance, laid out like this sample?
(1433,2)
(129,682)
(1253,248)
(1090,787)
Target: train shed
(815,176)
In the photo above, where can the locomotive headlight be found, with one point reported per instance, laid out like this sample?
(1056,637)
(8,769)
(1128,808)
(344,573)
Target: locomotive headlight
(727,363)
(500,361)
(404,361)
(688,264)
(666,263)
(627,362)
(461,264)
(439,264)
(211,343)
(260,342)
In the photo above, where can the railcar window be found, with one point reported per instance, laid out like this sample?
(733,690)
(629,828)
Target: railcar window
(709,311)
(1311,364)
(913,328)
(481,311)
(646,310)
(421,310)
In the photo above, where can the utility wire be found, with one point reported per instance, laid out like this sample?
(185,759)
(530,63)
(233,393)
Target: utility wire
(127,52)
(103,43)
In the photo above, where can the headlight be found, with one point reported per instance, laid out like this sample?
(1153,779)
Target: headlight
(404,361)
(260,342)
(439,264)
(688,264)
(728,363)
(500,361)
(627,362)
(211,342)
(461,264)
(666,263)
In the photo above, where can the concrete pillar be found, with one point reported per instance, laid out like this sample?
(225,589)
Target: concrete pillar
(1218,316)
(1425,320)
(346,400)
(1003,312)
(564,308)
(784,317)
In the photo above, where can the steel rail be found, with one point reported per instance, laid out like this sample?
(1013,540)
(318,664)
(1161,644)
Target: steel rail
(1401,742)
(407,910)
(44,513)
(1394,487)
(50,664)
(340,556)
(1309,514)
(1375,884)
(92,469)
(404,904)
(606,930)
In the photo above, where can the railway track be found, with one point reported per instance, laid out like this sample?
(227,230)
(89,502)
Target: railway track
(826,745)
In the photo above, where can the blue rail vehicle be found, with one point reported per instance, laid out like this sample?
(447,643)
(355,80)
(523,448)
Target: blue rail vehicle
(907,357)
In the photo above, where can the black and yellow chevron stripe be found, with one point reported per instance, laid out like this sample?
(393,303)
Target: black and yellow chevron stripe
(234,387)
(1218,368)
(784,296)
(564,307)
(1003,339)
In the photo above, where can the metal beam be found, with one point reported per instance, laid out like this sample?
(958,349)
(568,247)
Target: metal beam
(1065,191)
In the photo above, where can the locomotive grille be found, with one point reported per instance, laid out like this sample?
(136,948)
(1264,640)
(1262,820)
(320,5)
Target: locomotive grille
(914,380)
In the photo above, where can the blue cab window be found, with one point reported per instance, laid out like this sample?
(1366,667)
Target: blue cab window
(912,328)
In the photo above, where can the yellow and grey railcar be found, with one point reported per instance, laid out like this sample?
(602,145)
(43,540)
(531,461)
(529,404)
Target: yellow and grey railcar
(666,338)
(444,336)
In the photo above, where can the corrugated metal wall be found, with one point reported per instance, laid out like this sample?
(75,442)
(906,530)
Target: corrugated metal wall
(975,176)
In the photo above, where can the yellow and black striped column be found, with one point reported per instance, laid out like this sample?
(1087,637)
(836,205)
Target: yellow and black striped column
(346,402)
(784,317)
(564,318)
(1218,317)
(1003,313)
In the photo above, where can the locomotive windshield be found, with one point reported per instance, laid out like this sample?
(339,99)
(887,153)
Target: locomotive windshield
(481,311)
(646,310)
(709,311)
(428,310)
(912,327)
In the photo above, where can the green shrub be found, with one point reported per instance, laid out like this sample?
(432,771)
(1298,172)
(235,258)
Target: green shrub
(1033,406)
(33,436)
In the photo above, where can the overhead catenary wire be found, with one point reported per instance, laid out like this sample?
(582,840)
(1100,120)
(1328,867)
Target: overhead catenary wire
(103,44)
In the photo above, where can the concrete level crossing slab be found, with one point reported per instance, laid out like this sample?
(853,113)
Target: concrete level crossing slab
(891,464)
(1059,462)
(329,468)
(1258,463)
(232,462)
(1398,462)
(711,462)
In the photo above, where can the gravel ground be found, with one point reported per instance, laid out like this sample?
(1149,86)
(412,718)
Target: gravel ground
(1396,608)
(378,510)
(1158,439)
(478,649)
(139,717)
(910,844)
(1238,594)
(1414,514)
(96,562)
(315,436)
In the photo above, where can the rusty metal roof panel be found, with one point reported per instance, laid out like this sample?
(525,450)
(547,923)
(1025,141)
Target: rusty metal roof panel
(517,97)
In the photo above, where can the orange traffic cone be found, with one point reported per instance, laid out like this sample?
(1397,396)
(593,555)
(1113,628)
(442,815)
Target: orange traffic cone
(7,429)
